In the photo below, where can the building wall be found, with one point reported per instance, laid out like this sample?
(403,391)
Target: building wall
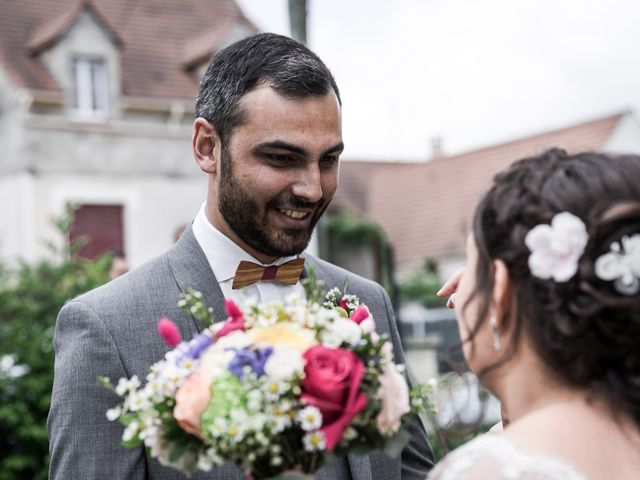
(16,186)
(154,206)
(58,144)
(49,160)
(18,230)
(13,106)
(360,259)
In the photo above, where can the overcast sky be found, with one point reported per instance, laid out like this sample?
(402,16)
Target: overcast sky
(474,72)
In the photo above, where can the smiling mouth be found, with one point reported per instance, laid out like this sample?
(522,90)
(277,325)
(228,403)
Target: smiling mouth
(295,214)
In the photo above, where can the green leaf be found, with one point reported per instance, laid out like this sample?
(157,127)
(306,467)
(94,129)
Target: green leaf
(342,312)
(359,449)
(177,452)
(314,289)
(134,442)
(126,419)
(192,302)
(105,382)
(394,446)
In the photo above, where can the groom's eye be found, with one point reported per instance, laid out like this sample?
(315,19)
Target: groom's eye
(280,158)
(329,160)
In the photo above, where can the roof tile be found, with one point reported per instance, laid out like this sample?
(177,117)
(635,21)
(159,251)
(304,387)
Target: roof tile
(425,208)
(152,35)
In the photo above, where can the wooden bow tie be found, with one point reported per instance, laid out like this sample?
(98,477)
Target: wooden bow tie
(249,273)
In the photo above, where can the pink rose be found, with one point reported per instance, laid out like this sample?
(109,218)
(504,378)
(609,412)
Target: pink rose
(360,314)
(231,326)
(169,332)
(394,393)
(235,321)
(343,303)
(192,399)
(332,384)
(232,309)
(362,317)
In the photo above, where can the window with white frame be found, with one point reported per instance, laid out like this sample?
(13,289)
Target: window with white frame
(90,86)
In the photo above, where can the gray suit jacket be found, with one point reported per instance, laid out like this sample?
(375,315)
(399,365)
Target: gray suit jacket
(111,331)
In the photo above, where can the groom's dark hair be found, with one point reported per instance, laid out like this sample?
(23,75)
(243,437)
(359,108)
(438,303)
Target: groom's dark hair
(263,59)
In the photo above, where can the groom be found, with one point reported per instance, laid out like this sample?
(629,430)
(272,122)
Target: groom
(268,136)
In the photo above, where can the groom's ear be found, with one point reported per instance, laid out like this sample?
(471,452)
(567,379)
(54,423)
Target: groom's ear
(206,144)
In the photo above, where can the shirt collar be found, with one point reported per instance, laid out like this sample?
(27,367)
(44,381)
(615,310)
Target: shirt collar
(222,253)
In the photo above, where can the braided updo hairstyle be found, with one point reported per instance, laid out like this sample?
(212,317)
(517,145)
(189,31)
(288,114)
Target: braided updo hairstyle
(584,330)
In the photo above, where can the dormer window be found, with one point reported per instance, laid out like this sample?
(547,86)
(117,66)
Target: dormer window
(90,86)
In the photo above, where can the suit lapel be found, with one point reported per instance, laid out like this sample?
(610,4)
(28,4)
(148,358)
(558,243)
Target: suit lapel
(191,270)
(319,273)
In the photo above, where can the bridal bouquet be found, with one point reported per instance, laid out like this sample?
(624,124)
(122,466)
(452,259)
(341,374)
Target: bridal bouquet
(276,387)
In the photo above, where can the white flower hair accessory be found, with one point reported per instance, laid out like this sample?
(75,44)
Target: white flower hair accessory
(557,248)
(622,265)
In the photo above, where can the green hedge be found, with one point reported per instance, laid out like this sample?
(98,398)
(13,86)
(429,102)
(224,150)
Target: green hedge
(30,297)
(421,285)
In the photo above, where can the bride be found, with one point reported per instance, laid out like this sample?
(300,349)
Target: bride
(549,307)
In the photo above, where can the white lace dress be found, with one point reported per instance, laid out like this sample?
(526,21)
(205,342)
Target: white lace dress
(493,456)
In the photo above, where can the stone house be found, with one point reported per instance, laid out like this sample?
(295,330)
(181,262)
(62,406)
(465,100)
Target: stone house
(96,108)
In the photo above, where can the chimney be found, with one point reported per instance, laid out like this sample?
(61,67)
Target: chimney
(436,147)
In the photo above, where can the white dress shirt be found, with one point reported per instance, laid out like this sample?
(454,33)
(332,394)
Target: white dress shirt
(224,256)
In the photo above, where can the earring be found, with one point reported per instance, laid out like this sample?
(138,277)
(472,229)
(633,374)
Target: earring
(495,334)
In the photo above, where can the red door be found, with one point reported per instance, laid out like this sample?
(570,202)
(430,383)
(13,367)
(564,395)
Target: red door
(102,228)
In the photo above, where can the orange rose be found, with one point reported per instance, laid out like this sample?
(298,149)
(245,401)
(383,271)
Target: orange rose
(192,399)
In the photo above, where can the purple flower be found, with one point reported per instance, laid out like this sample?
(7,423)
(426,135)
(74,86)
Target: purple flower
(199,344)
(194,348)
(247,357)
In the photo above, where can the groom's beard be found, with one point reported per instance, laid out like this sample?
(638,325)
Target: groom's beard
(250,220)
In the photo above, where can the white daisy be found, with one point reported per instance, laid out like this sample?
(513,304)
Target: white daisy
(114,413)
(131,431)
(310,418)
(314,441)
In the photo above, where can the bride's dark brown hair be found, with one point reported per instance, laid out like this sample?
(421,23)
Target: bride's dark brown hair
(584,330)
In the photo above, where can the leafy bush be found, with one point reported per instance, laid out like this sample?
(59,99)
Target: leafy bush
(30,299)
(346,229)
(352,229)
(422,286)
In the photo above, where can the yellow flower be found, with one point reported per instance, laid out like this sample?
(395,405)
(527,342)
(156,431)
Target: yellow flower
(284,334)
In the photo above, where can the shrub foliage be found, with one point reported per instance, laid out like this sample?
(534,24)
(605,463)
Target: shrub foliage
(31,296)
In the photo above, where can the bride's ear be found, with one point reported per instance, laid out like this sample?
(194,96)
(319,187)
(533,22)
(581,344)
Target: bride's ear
(501,296)
(207,148)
